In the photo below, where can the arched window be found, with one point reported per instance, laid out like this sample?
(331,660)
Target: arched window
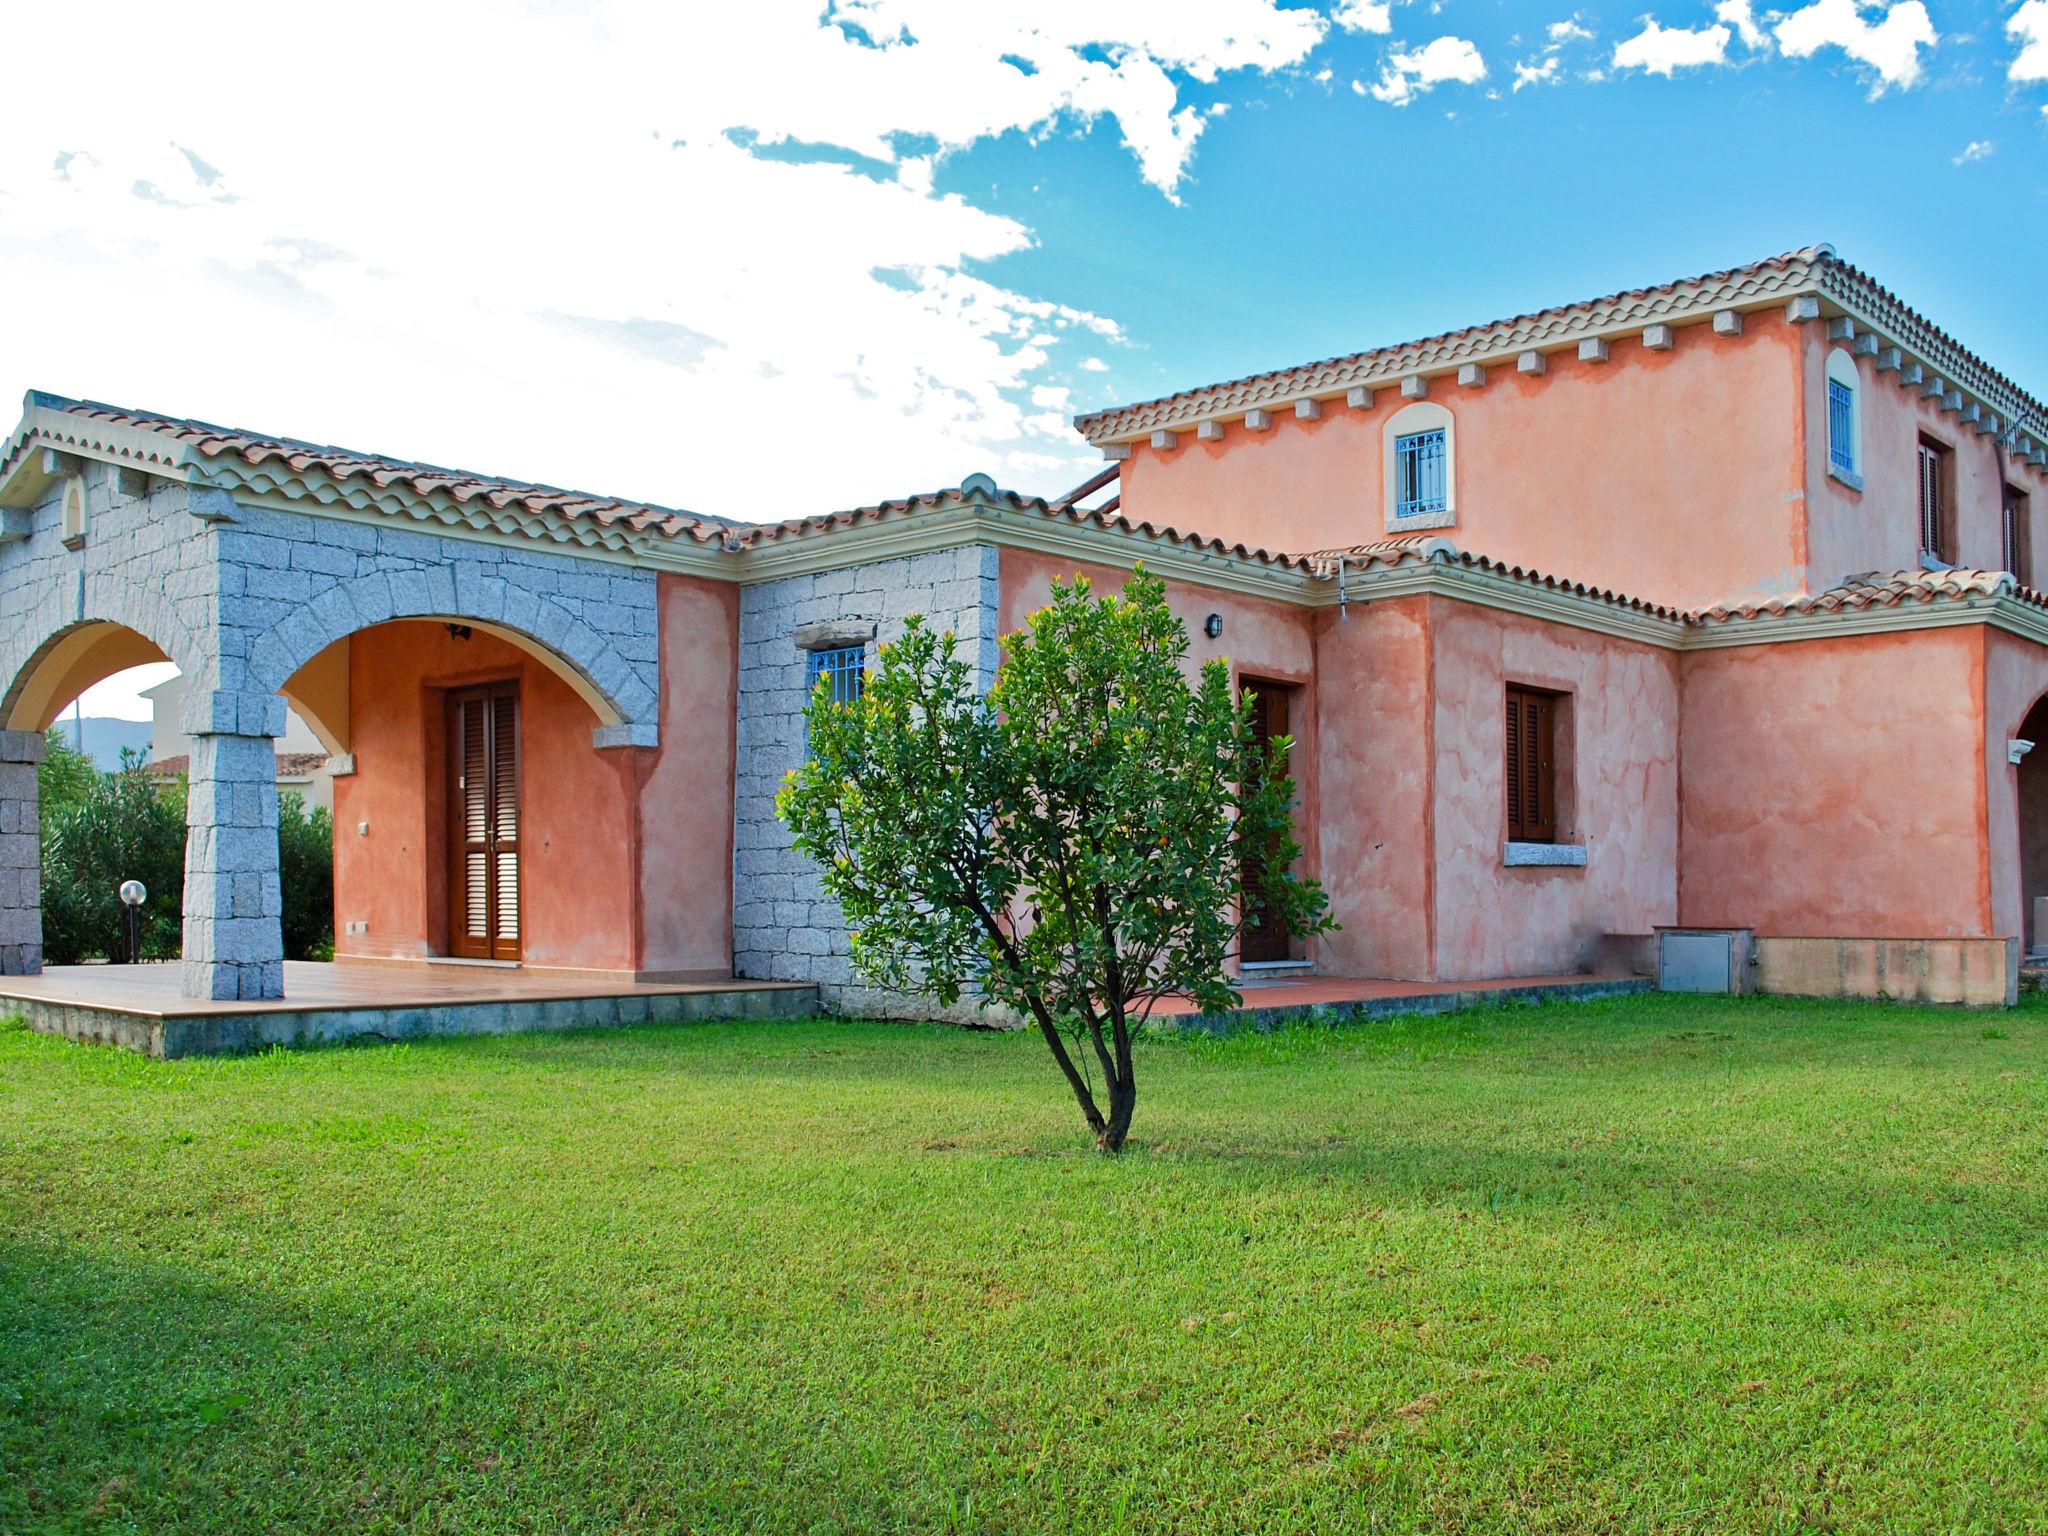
(1845,420)
(1420,470)
(74,512)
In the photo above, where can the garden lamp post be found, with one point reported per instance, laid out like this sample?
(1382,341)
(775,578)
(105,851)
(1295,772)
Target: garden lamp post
(133,895)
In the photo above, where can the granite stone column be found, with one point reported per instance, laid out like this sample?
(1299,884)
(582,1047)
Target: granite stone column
(234,944)
(21,863)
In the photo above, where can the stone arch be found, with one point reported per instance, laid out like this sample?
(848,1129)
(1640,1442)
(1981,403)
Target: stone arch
(62,646)
(621,692)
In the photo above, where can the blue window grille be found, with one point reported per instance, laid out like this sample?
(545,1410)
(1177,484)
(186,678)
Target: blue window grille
(844,669)
(1842,426)
(1419,464)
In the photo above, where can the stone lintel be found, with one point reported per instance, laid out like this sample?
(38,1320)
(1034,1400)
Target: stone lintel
(831,634)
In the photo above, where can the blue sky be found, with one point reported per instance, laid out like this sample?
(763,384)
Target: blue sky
(804,254)
(1314,221)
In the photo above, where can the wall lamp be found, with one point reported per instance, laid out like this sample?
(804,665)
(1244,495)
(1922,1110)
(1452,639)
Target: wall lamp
(1213,625)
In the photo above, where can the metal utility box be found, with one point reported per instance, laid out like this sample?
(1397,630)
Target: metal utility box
(1703,959)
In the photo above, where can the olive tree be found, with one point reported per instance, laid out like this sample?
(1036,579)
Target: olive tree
(1075,843)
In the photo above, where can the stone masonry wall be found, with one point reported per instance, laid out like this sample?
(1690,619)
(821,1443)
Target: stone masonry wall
(291,585)
(21,890)
(784,926)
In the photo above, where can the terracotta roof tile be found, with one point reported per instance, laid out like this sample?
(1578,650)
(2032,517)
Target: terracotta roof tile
(981,488)
(1813,269)
(1879,589)
(1871,589)
(1422,549)
(342,465)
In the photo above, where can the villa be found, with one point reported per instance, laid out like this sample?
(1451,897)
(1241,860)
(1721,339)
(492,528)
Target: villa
(1706,607)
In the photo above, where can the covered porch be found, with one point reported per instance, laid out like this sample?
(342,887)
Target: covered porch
(144,1008)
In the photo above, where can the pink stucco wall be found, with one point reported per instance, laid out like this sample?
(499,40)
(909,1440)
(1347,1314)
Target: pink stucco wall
(686,798)
(578,842)
(627,852)
(1877,528)
(1377,773)
(1837,788)
(1622,723)
(1564,471)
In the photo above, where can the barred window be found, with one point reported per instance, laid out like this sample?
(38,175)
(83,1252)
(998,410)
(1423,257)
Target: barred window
(1419,465)
(844,669)
(1841,426)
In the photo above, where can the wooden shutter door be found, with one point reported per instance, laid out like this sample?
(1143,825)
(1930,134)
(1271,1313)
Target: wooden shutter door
(1530,768)
(483,728)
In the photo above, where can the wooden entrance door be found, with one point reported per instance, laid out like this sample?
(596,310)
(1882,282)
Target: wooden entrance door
(483,833)
(1264,936)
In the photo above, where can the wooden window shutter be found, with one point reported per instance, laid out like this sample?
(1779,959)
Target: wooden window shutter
(1531,768)
(1936,535)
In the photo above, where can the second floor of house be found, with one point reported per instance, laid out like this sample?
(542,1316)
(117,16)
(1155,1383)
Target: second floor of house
(1761,432)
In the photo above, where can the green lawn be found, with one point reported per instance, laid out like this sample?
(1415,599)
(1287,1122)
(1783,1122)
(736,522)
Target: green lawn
(1655,1265)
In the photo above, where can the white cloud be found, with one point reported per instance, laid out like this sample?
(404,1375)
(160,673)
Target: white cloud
(1094,365)
(705,264)
(2029,25)
(1890,47)
(1661,50)
(1741,15)
(1408,75)
(1546,68)
(1976,149)
(1364,15)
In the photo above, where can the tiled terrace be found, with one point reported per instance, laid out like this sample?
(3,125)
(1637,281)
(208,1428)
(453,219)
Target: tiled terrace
(139,1006)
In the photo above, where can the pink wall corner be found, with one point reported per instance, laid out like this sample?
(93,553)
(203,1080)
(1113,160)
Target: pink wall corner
(1562,471)
(1877,528)
(1837,788)
(578,837)
(686,800)
(1375,771)
(2016,830)
(1622,718)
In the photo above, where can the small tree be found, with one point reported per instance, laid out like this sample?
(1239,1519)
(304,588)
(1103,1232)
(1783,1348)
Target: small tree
(1076,842)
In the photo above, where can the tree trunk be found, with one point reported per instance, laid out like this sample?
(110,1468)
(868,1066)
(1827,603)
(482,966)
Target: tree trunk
(1123,1101)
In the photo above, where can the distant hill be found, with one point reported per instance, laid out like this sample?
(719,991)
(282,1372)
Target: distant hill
(106,737)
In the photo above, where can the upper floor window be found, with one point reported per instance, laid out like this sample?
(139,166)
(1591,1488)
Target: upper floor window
(2015,516)
(844,669)
(1420,474)
(1937,501)
(1845,426)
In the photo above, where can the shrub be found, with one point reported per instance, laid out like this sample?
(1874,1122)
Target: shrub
(305,866)
(124,826)
(99,829)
